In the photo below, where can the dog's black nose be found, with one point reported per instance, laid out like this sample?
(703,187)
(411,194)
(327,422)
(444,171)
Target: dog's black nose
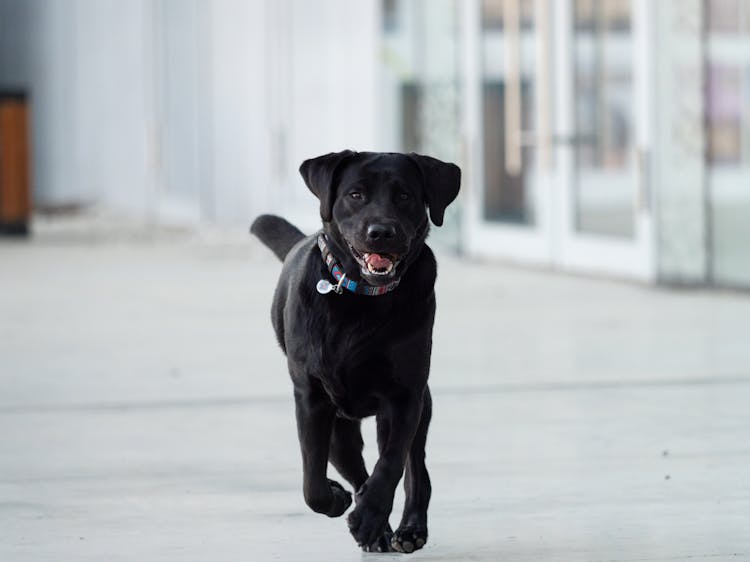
(381,232)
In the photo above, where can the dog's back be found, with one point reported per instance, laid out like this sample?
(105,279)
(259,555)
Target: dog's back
(276,233)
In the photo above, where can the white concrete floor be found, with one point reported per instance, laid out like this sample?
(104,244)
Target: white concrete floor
(145,413)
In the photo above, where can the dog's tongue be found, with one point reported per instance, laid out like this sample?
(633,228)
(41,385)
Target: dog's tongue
(377,261)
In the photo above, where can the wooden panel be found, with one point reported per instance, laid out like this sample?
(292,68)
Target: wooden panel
(15,186)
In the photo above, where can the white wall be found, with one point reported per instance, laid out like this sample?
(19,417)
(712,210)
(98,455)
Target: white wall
(51,77)
(332,68)
(113,120)
(242,150)
(291,79)
(266,83)
(90,87)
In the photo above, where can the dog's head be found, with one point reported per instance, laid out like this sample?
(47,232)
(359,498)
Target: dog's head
(374,206)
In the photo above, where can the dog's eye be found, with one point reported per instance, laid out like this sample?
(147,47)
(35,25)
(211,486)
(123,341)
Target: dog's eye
(403,196)
(355,195)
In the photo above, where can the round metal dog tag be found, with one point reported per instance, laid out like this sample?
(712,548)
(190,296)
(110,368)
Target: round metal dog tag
(324,287)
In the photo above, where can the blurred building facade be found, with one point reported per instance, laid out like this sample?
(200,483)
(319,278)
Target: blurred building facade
(603,136)
(187,109)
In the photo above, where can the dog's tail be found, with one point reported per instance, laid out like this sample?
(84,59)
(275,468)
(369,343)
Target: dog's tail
(276,233)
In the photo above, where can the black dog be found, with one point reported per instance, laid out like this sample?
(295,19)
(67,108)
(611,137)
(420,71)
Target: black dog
(353,311)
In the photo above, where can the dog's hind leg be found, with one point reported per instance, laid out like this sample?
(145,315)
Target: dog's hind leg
(412,532)
(315,416)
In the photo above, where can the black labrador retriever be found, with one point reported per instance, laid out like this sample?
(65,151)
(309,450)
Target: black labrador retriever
(353,312)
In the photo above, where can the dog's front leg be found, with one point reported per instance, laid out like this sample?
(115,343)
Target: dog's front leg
(375,498)
(315,415)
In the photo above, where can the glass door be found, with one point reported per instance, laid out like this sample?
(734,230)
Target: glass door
(557,125)
(508,92)
(604,136)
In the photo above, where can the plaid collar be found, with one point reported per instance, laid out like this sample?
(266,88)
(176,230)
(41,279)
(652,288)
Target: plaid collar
(361,288)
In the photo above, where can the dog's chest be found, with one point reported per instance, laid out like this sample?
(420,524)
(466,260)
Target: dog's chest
(355,363)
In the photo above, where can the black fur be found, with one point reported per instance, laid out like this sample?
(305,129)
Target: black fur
(276,233)
(352,356)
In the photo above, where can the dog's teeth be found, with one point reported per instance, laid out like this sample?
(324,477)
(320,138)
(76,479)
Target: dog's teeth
(384,271)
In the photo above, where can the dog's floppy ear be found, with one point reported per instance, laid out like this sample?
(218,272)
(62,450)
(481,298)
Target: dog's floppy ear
(318,174)
(441,183)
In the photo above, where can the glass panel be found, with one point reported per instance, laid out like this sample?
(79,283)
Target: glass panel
(728,139)
(419,85)
(728,16)
(724,115)
(508,67)
(604,140)
(389,13)
(722,16)
(731,231)
(618,13)
(493,13)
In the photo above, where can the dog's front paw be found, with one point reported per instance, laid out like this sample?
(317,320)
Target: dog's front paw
(409,538)
(331,502)
(341,500)
(368,525)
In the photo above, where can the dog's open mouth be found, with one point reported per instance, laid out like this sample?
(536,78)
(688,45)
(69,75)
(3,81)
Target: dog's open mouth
(375,264)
